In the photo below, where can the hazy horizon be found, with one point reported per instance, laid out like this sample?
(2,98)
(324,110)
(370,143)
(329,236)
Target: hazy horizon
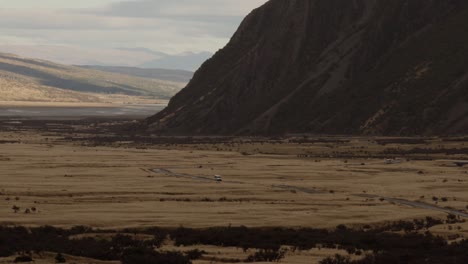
(165,26)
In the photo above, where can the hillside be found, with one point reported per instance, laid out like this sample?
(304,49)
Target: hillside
(36,80)
(160,74)
(331,66)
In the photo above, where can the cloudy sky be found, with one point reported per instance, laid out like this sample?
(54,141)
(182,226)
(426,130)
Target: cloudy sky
(171,26)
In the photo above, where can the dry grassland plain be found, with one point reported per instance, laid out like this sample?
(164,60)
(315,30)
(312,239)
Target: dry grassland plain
(266,183)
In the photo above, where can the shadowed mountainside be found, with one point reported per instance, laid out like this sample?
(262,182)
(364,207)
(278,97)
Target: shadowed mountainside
(29,79)
(333,66)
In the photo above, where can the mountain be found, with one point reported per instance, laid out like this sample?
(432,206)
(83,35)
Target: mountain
(187,61)
(30,79)
(72,55)
(386,67)
(158,54)
(160,74)
(129,57)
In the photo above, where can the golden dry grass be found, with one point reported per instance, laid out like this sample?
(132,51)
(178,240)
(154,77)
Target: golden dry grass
(110,187)
(215,254)
(49,258)
(265,184)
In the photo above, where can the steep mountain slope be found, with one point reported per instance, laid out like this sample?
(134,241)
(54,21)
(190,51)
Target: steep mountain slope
(333,66)
(28,79)
(160,74)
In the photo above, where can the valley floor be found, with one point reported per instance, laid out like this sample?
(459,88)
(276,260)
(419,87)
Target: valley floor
(112,106)
(77,174)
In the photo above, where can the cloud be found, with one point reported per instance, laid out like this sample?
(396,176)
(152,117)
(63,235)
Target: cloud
(182,8)
(171,26)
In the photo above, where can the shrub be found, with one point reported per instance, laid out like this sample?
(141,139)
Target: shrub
(23,258)
(59,258)
(337,259)
(195,254)
(267,255)
(143,255)
(15,209)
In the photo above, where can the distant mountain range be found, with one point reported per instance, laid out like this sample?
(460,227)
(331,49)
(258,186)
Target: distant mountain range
(130,57)
(160,74)
(186,60)
(24,79)
(383,67)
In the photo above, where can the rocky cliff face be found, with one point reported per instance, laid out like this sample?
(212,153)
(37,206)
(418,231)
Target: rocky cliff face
(333,66)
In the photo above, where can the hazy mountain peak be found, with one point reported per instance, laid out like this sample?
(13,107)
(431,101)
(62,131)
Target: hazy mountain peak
(129,57)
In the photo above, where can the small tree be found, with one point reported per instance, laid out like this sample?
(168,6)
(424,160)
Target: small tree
(15,209)
(59,258)
(338,259)
(195,254)
(23,258)
(267,255)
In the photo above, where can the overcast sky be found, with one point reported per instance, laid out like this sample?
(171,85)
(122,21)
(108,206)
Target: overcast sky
(171,26)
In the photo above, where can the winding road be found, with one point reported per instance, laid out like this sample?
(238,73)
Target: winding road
(420,205)
(188,176)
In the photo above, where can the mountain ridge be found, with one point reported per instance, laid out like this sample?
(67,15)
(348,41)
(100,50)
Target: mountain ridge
(129,57)
(182,76)
(332,67)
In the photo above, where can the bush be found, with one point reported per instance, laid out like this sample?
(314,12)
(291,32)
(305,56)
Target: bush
(149,256)
(338,259)
(267,255)
(20,259)
(195,254)
(60,258)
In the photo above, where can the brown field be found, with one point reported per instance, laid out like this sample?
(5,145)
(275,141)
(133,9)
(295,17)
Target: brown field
(321,182)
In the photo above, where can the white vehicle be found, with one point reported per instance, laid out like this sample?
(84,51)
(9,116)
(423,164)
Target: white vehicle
(393,161)
(218,178)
